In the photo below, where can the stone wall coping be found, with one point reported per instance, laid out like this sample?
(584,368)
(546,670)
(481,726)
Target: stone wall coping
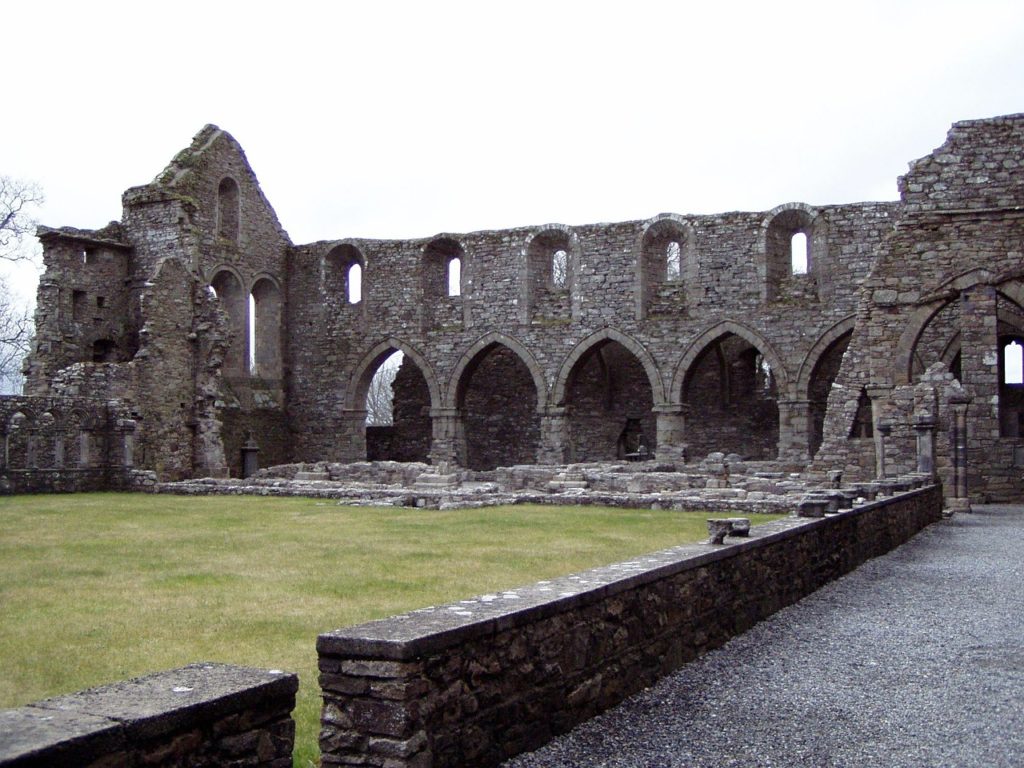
(99,719)
(408,636)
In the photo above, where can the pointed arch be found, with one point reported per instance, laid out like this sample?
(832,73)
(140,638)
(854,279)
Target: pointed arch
(359,382)
(820,347)
(713,334)
(469,357)
(598,337)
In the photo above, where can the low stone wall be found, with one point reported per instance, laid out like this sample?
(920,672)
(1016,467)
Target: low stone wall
(199,715)
(473,683)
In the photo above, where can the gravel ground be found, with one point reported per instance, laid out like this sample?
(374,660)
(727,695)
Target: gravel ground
(915,659)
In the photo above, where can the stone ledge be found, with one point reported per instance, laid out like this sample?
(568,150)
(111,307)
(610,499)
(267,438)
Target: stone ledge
(104,719)
(428,630)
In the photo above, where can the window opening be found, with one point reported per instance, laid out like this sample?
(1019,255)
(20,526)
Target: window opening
(559,268)
(455,276)
(672,261)
(1013,363)
(252,335)
(798,253)
(380,395)
(355,284)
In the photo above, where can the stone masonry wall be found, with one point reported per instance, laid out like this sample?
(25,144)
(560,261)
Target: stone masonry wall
(211,715)
(946,284)
(693,307)
(473,683)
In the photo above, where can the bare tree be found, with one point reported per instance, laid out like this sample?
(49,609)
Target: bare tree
(18,200)
(380,396)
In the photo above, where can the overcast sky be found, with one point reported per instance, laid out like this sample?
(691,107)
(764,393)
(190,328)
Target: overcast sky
(387,119)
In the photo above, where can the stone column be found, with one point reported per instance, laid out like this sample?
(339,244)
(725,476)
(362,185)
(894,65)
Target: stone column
(794,430)
(352,446)
(979,368)
(880,427)
(882,431)
(671,432)
(448,444)
(924,425)
(960,501)
(554,436)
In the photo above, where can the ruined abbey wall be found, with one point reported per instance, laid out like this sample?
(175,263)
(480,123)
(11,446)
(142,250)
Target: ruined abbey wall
(683,334)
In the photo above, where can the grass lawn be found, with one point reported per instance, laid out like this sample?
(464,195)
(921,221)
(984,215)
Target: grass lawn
(96,588)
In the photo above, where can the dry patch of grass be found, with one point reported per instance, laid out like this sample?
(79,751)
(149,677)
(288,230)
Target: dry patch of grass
(99,587)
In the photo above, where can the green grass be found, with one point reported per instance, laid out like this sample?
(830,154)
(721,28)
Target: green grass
(99,587)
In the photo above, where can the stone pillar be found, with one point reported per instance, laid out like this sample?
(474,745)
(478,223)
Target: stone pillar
(882,431)
(958,434)
(671,432)
(794,430)
(880,427)
(353,430)
(122,454)
(924,425)
(84,449)
(554,436)
(449,437)
(979,367)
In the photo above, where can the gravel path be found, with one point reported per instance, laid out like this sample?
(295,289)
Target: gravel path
(915,659)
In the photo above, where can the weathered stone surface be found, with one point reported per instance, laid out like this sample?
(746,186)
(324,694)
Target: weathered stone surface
(502,672)
(199,715)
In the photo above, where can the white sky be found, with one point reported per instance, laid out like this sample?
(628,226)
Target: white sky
(389,119)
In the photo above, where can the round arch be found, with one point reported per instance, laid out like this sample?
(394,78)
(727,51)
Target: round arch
(716,332)
(598,337)
(451,398)
(359,382)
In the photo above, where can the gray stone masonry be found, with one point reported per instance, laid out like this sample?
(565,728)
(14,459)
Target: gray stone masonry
(475,682)
(200,715)
(674,336)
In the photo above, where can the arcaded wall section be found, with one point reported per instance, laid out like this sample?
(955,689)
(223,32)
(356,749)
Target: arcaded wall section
(944,296)
(688,334)
(601,360)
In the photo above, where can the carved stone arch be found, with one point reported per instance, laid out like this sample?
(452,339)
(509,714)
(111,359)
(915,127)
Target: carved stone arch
(443,304)
(229,210)
(233,297)
(712,335)
(539,295)
(949,291)
(826,340)
(772,249)
(455,382)
(266,325)
(335,269)
(359,382)
(558,391)
(652,268)
(218,269)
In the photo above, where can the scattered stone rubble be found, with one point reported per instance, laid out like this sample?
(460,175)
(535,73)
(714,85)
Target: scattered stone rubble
(719,483)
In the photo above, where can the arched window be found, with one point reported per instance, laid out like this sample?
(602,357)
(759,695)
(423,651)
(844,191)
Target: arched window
(673,261)
(455,276)
(355,283)
(798,253)
(227,210)
(1013,363)
(235,302)
(265,330)
(559,268)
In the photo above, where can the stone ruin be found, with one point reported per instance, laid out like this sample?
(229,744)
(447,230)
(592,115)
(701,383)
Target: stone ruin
(727,353)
